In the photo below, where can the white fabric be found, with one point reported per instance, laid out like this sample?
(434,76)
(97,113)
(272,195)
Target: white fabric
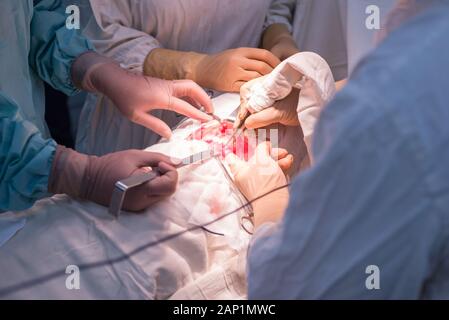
(66,232)
(128,30)
(9,227)
(378,193)
(318,26)
(306,71)
(198,265)
(62,232)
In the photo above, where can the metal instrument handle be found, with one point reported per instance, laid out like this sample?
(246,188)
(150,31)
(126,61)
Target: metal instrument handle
(121,187)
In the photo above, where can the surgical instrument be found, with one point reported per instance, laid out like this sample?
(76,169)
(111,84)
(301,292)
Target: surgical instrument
(238,130)
(215,117)
(121,187)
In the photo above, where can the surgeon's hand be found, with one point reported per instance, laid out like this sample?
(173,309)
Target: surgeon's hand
(93,178)
(136,95)
(283,111)
(227,71)
(261,175)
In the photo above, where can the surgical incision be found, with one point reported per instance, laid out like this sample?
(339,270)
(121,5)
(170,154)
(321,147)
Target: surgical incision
(217,136)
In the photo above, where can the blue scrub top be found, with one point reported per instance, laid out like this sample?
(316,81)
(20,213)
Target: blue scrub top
(35,46)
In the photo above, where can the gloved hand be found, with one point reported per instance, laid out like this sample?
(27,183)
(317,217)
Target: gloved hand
(226,71)
(263,92)
(306,71)
(282,111)
(93,178)
(259,176)
(136,95)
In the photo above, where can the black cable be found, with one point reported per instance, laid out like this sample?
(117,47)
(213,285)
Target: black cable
(37,281)
(213,232)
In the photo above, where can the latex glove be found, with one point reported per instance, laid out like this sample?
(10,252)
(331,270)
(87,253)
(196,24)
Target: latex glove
(262,93)
(283,112)
(136,95)
(226,71)
(306,71)
(93,178)
(283,158)
(257,177)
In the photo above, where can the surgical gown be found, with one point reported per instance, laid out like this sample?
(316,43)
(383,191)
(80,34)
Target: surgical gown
(34,46)
(378,194)
(316,25)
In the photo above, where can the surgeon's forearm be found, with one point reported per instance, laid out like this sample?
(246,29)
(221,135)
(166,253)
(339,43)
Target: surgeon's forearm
(171,65)
(93,72)
(86,73)
(279,41)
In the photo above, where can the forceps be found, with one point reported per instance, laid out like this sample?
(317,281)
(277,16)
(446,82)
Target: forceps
(238,130)
(215,117)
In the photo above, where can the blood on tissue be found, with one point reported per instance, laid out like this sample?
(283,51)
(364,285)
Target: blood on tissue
(215,205)
(217,135)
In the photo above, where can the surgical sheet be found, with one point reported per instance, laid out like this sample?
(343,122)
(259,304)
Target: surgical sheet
(199,264)
(61,231)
